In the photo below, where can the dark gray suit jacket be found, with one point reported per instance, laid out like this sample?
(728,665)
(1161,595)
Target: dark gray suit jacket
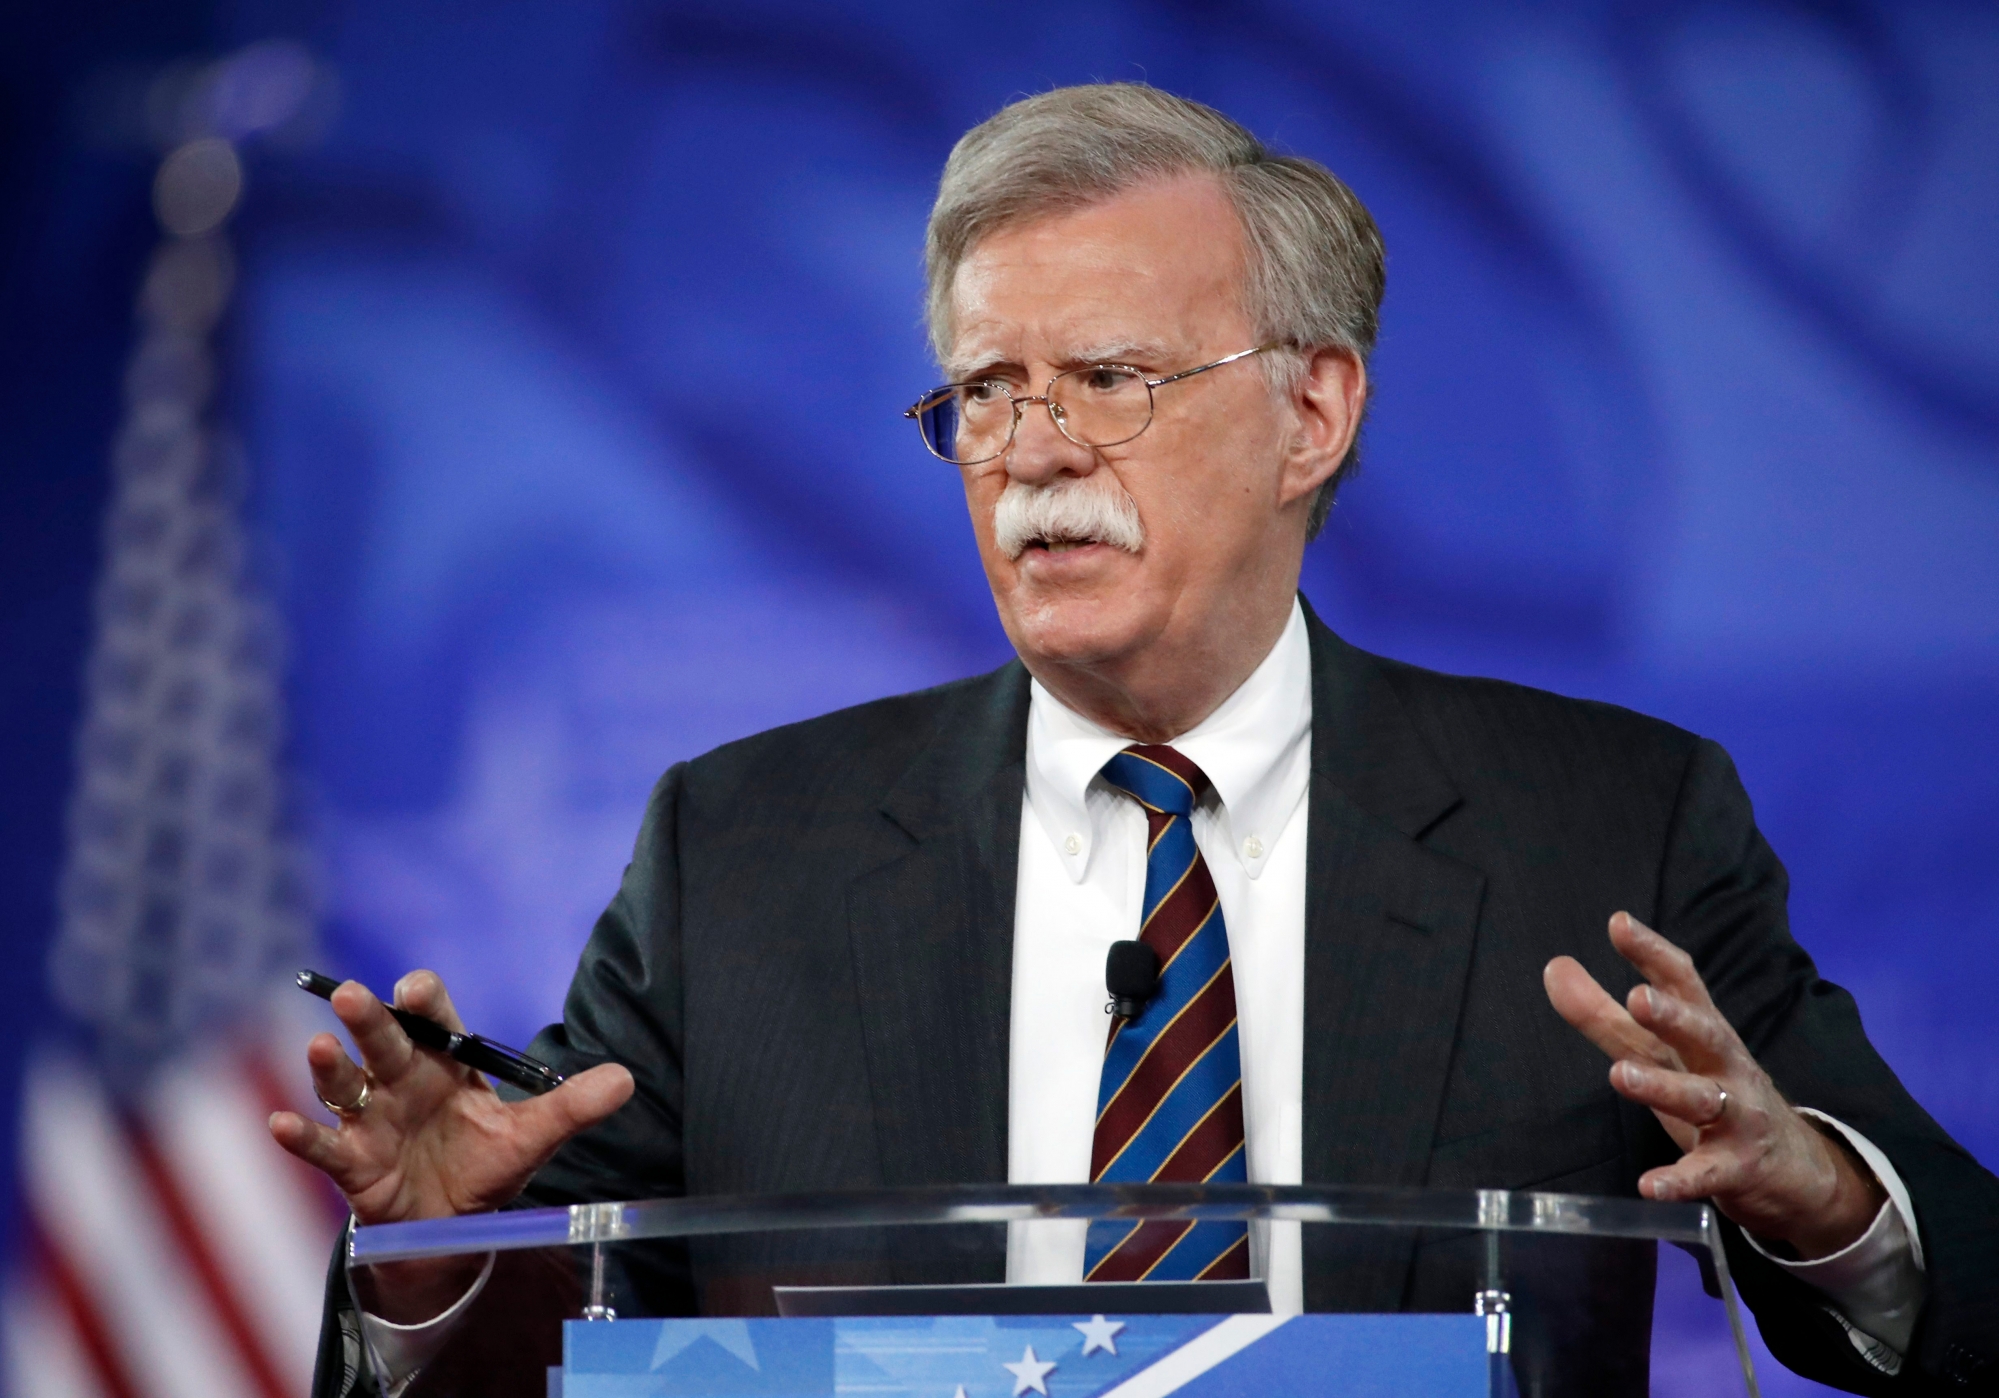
(808,969)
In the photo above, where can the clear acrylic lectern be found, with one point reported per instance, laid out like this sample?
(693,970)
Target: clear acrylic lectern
(892,1292)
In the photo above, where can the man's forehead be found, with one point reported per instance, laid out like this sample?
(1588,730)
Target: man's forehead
(1148,272)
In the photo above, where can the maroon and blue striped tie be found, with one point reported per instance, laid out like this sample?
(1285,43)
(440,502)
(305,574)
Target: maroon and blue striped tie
(1170,1105)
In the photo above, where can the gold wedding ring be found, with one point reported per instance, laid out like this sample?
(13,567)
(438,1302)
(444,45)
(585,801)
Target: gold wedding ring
(354,1108)
(1712,1121)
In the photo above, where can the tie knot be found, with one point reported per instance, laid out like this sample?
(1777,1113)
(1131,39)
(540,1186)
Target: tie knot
(1157,776)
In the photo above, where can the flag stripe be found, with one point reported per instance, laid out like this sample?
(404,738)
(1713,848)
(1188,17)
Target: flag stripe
(81,1313)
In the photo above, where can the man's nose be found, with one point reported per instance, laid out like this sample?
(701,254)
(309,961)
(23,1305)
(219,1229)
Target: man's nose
(1040,451)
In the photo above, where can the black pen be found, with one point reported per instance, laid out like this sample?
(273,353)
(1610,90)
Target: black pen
(495,1060)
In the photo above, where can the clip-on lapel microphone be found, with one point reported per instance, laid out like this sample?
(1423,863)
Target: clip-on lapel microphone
(1131,974)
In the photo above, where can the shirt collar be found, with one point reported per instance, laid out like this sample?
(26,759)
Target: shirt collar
(1255,748)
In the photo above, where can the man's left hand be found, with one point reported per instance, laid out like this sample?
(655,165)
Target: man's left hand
(1766,1166)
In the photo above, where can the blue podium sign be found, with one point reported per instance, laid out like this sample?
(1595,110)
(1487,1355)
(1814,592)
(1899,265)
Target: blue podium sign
(1131,1356)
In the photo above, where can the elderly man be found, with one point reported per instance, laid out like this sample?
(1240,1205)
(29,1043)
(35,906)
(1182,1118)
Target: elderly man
(868,949)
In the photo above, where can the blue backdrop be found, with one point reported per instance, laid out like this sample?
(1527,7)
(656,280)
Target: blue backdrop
(570,360)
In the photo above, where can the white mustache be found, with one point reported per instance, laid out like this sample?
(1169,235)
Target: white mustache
(1067,510)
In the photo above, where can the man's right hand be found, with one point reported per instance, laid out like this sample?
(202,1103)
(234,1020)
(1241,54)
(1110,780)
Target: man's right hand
(434,1139)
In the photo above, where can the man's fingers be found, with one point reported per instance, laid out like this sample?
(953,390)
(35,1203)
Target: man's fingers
(1689,1097)
(318,1146)
(1699,1174)
(423,993)
(1658,960)
(1702,1037)
(1588,1007)
(335,1076)
(385,1049)
(583,1101)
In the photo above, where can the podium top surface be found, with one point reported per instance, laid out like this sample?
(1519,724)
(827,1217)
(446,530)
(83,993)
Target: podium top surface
(1487,1210)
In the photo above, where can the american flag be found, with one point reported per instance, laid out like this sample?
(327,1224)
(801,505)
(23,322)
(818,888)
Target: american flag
(172,1249)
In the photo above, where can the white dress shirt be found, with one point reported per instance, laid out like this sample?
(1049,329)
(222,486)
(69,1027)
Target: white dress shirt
(1081,884)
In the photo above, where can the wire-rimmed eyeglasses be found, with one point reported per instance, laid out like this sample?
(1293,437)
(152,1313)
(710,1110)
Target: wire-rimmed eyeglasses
(1099,405)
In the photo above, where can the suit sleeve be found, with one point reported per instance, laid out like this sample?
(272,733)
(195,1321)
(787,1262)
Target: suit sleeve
(625,1006)
(1722,896)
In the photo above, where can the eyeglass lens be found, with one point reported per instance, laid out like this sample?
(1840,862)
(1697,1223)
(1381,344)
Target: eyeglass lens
(1099,406)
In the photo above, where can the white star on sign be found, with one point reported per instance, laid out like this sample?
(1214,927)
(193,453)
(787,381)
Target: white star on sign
(960,1393)
(1030,1373)
(731,1335)
(1098,1333)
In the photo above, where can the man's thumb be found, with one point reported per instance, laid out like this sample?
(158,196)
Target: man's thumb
(583,1101)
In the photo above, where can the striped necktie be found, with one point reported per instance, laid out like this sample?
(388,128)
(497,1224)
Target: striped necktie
(1170,1104)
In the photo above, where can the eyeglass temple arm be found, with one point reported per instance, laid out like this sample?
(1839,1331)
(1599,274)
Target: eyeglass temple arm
(1203,368)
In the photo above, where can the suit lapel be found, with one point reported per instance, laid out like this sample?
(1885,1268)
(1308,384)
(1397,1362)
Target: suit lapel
(1389,926)
(932,935)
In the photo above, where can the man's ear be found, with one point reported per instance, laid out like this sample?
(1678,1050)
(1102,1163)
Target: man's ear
(1327,401)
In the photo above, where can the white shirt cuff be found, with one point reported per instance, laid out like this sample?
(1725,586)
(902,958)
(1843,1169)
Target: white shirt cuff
(1876,1282)
(400,1350)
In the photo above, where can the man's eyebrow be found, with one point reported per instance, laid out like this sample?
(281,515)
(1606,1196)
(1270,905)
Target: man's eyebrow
(978,366)
(1114,352)
(1111,352)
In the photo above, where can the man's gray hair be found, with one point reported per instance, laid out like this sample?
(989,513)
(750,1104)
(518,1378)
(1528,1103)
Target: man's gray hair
(1315,274)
